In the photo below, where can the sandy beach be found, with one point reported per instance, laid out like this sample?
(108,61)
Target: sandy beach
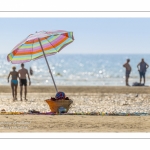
(81,123)
(116,99)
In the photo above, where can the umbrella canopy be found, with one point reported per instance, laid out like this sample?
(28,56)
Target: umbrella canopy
(30,48)
(40,44)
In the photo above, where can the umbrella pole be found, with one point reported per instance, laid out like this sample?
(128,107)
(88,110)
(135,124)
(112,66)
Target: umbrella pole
(48,65)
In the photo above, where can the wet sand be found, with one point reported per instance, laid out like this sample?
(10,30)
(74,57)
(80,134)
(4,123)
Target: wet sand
(82,89)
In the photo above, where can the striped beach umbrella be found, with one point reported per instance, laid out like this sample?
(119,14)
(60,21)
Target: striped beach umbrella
(38,45)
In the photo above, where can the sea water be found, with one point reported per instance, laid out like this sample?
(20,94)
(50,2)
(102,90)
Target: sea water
(80,69)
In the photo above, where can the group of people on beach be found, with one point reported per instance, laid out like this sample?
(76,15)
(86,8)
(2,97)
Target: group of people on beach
(21,75)
(142,67)
(23,72)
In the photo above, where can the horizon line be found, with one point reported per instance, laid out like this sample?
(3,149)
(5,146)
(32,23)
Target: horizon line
(95,53)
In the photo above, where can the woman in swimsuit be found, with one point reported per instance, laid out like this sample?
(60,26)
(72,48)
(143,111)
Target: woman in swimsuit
(14,82)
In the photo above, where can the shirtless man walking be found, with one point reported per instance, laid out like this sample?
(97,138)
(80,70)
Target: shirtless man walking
(128,71)
(23,81)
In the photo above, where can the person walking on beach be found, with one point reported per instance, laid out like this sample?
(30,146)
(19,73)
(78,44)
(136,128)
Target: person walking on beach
(23,81)
(142,70)
(14,82)
(128,71)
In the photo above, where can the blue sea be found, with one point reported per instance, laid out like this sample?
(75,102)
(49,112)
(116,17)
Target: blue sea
(80,69)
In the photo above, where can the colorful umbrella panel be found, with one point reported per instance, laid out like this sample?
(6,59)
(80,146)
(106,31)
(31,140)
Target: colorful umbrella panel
(30,48)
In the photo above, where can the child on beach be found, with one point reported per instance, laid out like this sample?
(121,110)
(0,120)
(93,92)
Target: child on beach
(14,82)
(128,71)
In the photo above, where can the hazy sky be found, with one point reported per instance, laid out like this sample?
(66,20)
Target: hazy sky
(92,35)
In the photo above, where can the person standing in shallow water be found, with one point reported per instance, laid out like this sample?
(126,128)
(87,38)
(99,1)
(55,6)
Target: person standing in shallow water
(128,71)
(143,67)
(14,82)
(23,81)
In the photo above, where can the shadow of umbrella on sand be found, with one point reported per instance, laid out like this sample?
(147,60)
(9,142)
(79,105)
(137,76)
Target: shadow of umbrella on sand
(39,45)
